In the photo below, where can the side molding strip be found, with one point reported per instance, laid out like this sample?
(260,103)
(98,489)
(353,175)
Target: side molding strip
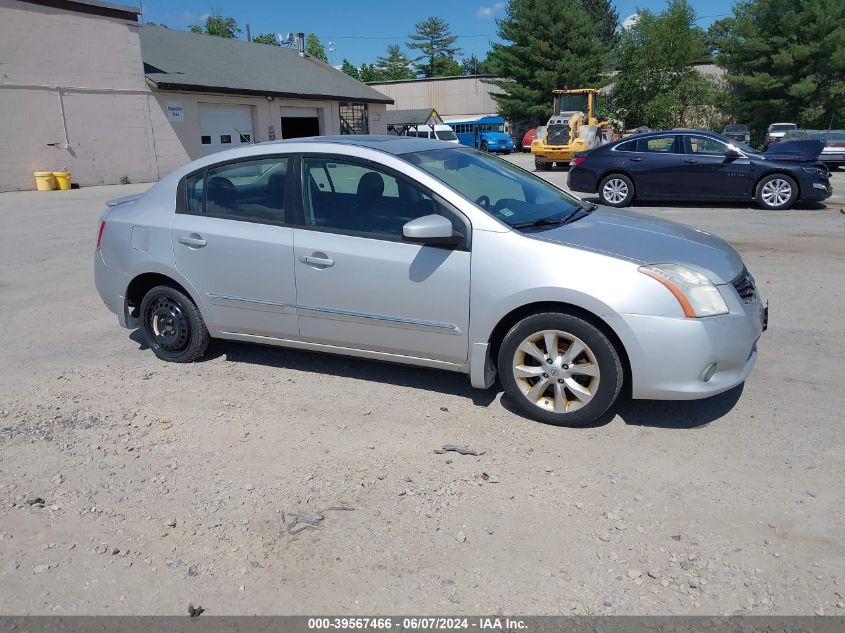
(380,319)
(250,304)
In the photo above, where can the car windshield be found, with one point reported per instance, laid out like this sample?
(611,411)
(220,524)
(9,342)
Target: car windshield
(781,127)
(508,193)
(446,135)
(736,128)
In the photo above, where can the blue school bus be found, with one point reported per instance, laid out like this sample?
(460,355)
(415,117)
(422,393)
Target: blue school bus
(484,133)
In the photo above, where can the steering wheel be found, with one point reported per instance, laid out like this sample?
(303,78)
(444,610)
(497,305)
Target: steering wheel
(484,201)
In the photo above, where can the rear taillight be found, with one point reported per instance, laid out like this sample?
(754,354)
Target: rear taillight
(100,233)
(577,160)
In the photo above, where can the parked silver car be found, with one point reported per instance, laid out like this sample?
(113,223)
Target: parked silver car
(430,254)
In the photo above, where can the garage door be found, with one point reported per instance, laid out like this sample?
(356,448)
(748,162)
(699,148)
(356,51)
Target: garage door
(224,126)
(299,122)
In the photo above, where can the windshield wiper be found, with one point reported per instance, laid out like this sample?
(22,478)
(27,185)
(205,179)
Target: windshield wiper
(540,222)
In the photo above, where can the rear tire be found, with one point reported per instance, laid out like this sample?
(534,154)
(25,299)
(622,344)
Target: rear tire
(776,192)
(616,190)
(575,384)
(173,325)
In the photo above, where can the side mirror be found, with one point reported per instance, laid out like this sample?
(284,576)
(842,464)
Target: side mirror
(732,152)
(431,229)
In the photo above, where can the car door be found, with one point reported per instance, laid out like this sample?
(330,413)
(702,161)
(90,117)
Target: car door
(656,166)
(231,242)
(711,173)
(359,285)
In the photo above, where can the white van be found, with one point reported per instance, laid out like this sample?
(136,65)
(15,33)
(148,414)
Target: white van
(441,132)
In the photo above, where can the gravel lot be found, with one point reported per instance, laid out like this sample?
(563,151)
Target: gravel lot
(130,486)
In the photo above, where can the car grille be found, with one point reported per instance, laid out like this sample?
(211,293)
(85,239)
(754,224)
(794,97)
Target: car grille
(744,284)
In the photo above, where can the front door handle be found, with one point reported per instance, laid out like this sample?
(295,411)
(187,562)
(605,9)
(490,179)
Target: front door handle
(195,241)
(690,161)
(316,261)
(635,159)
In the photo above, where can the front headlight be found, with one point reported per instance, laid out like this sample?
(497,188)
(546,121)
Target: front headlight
(816,171)
(696,294)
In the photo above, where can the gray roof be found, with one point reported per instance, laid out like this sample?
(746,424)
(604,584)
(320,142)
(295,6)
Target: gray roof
(389,143)
(414,116)
(185,61)
(111,5)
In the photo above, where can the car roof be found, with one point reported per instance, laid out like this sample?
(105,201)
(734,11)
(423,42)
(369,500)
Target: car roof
(654,133)
(389,143)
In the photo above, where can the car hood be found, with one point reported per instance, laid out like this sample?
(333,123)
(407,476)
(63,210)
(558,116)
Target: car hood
(644,239)
(800,151)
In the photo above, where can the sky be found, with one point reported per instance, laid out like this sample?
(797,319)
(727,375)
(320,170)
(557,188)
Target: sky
(362,30)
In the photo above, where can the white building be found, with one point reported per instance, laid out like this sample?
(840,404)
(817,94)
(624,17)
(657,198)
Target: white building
(84,86)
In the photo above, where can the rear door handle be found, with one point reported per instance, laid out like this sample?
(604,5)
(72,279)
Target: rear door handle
(635,159)
(193,241)
(690,161)
(316,261)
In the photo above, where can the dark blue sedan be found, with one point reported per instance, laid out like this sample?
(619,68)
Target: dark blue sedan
(700,166)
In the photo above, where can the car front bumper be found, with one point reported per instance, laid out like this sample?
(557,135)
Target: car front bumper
(670,357)
(816,190)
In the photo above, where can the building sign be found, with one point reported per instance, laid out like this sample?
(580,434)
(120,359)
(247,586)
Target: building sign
(175,111)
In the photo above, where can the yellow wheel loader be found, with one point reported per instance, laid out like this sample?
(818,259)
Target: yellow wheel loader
(573,127)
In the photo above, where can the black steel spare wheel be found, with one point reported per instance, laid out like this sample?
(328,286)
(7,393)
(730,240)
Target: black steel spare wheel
(173,325)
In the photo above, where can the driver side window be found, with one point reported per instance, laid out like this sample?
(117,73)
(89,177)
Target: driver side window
(361,199)
(704,146)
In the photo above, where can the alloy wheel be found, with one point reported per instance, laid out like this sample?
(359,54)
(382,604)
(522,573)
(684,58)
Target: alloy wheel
(556,371)
(615,190)
(776,192)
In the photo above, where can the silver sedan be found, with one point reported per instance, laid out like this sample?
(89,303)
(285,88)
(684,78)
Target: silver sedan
(430,254)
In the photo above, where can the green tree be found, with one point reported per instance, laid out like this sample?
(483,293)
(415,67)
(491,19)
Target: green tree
(473,66)
(369,72)
(785,61)
(437,48)
(314,47)
(350,69)
(549,44)
(215,24)
(266,38)
(656,82)
(394,64)
(604,16)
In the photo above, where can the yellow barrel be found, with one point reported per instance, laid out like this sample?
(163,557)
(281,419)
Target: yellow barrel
(62,178)
(44,180)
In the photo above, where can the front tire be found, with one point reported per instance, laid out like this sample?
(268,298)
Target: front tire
(540,164)
(173,325)
(616,190)
(776,192)
(559,369)
(484,148)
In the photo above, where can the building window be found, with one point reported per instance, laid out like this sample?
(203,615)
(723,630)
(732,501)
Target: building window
(353,118)
(225,138)
(205,140)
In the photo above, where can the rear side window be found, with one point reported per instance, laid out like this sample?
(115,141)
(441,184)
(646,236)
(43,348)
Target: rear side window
(658,144)
(249,191)
(628,146)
